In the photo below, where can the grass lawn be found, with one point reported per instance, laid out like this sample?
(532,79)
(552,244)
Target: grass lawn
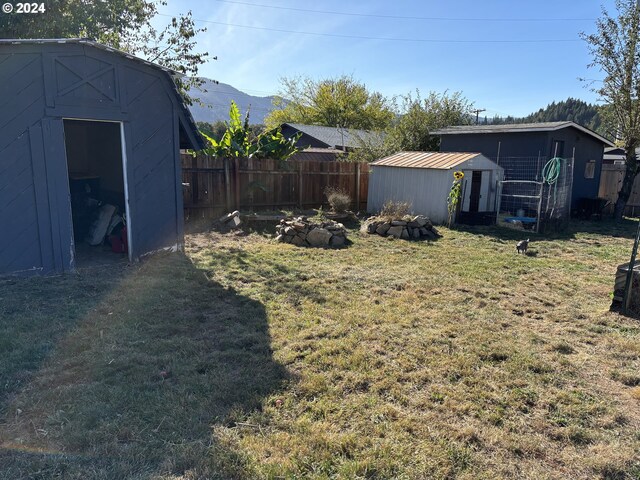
(388,359)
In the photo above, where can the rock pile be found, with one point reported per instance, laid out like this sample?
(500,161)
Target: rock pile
(408,227)
(300,231)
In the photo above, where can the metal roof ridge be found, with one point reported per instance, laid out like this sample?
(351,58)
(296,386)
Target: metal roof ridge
(421,159)
(531,126)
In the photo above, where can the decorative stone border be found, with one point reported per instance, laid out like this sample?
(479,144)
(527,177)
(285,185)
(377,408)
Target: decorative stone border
(409,227)
(302,232)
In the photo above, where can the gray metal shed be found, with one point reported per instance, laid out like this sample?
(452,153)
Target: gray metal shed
(424,179)
(77,114)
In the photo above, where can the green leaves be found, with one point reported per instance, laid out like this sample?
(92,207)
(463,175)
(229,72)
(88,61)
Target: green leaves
(453,200)
(411,130)
(236,142)
(615,50)
(333,102)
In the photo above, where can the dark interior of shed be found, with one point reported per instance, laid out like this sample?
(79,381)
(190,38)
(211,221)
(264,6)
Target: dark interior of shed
(97,192)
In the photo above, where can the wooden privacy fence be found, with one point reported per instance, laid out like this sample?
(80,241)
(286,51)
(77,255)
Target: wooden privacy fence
(610,184)
(213,186)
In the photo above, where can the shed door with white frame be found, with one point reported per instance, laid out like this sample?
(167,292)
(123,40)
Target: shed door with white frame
(476,191)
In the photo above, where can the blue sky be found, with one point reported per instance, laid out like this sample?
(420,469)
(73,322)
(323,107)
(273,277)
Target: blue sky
(471,45)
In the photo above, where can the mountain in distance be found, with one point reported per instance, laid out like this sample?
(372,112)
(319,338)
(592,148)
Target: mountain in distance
(217,98)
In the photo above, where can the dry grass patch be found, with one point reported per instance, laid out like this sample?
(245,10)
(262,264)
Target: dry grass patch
(455,358)
(448,359)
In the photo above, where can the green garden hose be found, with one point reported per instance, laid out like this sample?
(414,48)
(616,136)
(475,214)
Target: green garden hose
(551,170)
(550,175)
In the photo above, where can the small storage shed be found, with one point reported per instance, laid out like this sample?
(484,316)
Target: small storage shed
(424,180)
(78,119)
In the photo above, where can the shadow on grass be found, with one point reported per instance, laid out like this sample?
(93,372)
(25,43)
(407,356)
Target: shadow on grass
(34,314)
(606,227)
(137,378)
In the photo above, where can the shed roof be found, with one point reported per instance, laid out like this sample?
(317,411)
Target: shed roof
(617,153)
(435,160)
(520,127)
(188,124)
(334,136)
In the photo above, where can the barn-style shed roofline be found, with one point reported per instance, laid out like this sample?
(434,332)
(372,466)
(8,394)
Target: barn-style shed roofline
(190,138)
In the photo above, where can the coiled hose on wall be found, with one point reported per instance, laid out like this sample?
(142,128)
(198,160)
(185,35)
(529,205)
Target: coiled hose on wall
(551,170)
(550,175)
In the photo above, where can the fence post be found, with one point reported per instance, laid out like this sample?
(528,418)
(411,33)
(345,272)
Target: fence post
(357,186)
(236,175)
(300,196)
(539,219)
(194,181)
(227,185)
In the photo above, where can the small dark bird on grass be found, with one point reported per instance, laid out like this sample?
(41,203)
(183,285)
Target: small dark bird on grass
(522,246)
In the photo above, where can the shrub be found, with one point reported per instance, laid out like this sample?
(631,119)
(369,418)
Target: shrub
(338,199)
(395,210)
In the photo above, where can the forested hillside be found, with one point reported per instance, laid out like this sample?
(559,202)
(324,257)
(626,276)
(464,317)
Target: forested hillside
(572,109)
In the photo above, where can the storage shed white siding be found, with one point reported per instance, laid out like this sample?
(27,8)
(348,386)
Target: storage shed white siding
(426,188)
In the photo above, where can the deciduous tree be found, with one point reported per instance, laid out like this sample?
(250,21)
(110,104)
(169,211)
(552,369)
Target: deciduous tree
(615,49)
(414,123)
(335,102)
(419,117)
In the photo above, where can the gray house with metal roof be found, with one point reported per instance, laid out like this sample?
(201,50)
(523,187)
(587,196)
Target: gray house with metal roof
(318,136)
(543,140)
(80,120)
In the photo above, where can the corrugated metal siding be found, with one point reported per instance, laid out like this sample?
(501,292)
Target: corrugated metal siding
(425,189)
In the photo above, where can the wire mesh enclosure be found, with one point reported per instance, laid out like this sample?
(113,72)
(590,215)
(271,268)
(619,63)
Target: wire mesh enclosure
(535,193)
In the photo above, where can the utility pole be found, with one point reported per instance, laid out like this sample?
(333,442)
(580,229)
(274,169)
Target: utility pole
(477,112)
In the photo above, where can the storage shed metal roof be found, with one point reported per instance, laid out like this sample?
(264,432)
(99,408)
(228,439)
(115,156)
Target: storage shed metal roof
(435,160)
(519,127)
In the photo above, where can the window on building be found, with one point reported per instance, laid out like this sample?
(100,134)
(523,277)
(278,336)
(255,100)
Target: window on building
(590,169)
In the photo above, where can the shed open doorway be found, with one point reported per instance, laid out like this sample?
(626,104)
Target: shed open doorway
(98,193)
